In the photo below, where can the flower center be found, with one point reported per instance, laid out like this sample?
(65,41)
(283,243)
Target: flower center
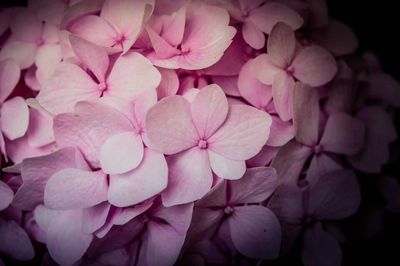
(228,210)
(202,144)
(318,149)
(119,40)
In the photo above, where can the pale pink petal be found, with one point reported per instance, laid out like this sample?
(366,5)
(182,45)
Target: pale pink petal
(255,232)
(23,53)
(169,125)
(306,113)
(40,130)
(243,134)
(163,49)
(251,89)
(281,132)
(35,172)
(229,84)
(343,134)
(320,248)
(216,197)
(79,9)
(226,168)
(93,56)
(174,30)
(6,195)
(101,121)
(47,58)
(253,35)
(281,45)
(314,66)
(147,180)
(336,195)
(264,157)
(282,93)
(266,16)
(9,77)
(121,153)
(256,186)
(264,69)
(290,161)
(68,245)
(48,10)
(142,104)
(190,177)
(25,26)
(15,242)
(74,189)
(95,217)
(169,84)
(14,118)
(68,85)
(209,110)
(94,29)
(131,75)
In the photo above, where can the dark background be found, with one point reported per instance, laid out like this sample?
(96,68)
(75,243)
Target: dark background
(376,23)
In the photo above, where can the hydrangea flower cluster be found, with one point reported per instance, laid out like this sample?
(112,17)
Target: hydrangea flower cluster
(157,132)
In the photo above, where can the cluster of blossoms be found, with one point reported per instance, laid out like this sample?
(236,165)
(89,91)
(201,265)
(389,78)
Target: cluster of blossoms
(157,132)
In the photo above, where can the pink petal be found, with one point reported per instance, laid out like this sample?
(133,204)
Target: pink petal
(320,248)
(121,153)
(255,232)
(251,89)
(9,77)
(320,165)
(47,58)
(314,66)
(36,171)
(6,195)
(306,112)
(253,35)
(174,29)
(190,177)
(290,160)
(380,131)
(15,242)
(281,132)
(95,217)
(25,26)
(93,56)
(94,29)
(80,9)
(228,84)
(131,75)
(101,121)
(169,84)
(264,157)
(282,93)
(256,186)
(226,168)
(68,85)
(169,125)
(335,196)
(243,134)
(264,69)
(269,14)
(281,45)
(68,245)
(216,197)
(14,118)
(147,180)
(40,130)
(74,189)
(23,53)
(163,49)
(343,134)
(209,110)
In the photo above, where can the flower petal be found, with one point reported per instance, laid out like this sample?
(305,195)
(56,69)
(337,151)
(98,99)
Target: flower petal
(121,153)
(255,232)
(75,189)
(14,118)
(6,195)
(282,93)
(243,134)
(226,168)
(253,36)
(190,177)
(15,241)
(9,77)
(281,45)
(147,180)
(169,125)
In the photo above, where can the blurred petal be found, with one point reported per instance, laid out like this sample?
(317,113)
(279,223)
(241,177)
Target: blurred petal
(281,45)
(9,77)
(14,118)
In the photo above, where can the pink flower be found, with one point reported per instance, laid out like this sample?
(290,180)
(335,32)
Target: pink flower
(207,135)
(194,37)
(284,64)
(130,75)
(232,211)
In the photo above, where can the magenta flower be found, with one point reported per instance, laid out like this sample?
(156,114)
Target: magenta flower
(130,75)
(209,135)
(284,64)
